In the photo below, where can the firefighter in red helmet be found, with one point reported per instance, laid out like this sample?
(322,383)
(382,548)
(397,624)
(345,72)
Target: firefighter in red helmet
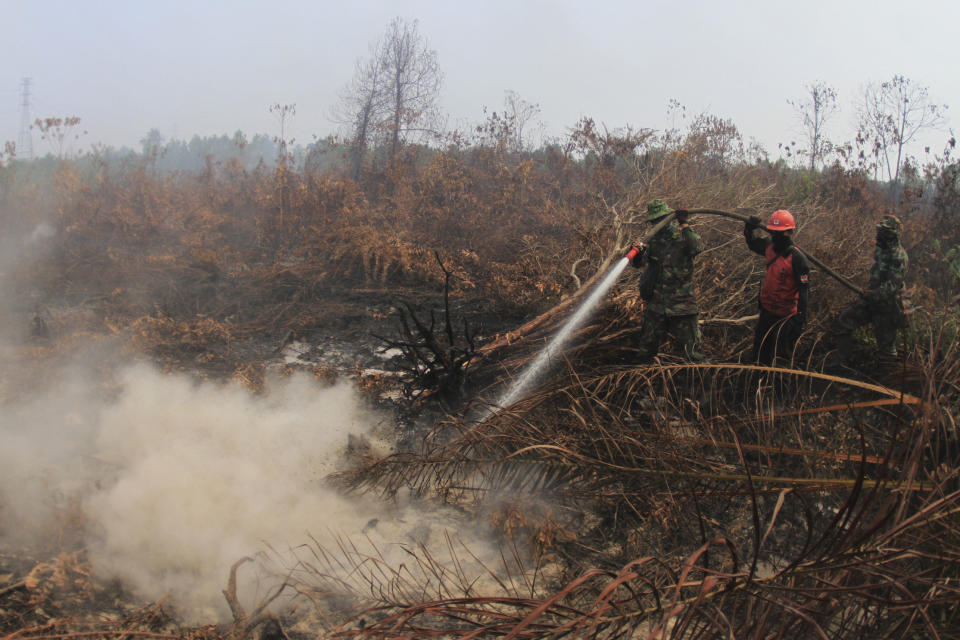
(785,289)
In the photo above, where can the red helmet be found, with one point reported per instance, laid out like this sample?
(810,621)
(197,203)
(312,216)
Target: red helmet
(781,220)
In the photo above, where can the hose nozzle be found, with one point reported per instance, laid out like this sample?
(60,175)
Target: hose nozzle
(633,253)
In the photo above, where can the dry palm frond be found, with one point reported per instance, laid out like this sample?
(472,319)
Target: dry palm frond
(864,573)
(829,489)
(599,423)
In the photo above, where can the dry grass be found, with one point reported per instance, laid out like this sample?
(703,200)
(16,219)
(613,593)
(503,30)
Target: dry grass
(675,500)
(719,512)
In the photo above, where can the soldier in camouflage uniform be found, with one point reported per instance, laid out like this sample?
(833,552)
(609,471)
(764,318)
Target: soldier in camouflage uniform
(667,285)
(882,303)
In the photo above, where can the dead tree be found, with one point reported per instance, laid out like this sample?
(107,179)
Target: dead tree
(434,358)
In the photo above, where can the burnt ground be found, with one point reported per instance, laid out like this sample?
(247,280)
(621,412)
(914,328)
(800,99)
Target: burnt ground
(51,591)
(50,588)
(348,329)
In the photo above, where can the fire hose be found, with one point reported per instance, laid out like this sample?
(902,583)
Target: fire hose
(746,219)
(542,319)
(651,232)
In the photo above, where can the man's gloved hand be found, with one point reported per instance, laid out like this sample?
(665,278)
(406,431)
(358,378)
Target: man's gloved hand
(754,222)
(636,254)
(682,215)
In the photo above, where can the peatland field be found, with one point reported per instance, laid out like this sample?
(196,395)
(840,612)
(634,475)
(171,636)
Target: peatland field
(259,400)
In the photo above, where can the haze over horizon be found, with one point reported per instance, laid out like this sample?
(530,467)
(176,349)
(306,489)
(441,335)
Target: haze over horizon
(214,68)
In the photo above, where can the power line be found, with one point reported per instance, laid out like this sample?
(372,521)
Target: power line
(25,139)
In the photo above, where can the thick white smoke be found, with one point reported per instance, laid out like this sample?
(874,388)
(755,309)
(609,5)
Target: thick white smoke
(179,480)
(168,482)
(208,474)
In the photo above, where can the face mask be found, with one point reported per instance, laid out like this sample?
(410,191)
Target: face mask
(781,241)
(886,240)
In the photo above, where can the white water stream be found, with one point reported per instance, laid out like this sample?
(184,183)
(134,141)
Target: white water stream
(539,365)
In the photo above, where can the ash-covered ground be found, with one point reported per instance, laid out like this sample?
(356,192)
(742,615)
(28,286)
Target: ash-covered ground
(128,480)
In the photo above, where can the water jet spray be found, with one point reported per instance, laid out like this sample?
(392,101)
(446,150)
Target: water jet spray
(535,368)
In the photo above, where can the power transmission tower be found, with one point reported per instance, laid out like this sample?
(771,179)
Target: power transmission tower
(25,140)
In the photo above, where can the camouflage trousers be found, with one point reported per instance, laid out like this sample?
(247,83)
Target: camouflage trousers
(684,329)
(887,317)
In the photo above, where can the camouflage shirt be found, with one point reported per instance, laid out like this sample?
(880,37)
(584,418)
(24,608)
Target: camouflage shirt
(888,271)
(669,260)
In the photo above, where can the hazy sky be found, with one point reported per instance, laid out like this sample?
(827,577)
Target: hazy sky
(214,66)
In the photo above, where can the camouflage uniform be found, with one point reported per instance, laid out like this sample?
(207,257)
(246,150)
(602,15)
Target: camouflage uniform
(882,303)
(667,287)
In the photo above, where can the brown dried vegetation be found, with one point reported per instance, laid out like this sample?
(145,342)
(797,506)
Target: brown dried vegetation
(717,500)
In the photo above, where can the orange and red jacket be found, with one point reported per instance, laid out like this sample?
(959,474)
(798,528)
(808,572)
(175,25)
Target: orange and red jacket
(786,284)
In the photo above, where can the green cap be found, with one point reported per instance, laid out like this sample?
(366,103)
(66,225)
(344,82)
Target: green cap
(657,209)
(890,223)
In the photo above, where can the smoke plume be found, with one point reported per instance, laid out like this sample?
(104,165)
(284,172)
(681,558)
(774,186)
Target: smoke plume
(174,481)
